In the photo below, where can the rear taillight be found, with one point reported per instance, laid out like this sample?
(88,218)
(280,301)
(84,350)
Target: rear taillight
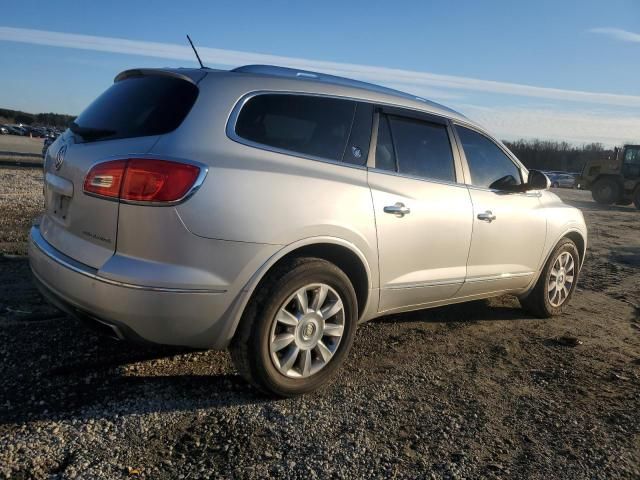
(141,180)
(105,179)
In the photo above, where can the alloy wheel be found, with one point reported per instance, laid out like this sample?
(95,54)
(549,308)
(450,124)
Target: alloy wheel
(307,330)
(561,279)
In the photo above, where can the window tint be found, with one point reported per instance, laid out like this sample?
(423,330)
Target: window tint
(488,164)
(358,145)
(315,126)
(385,155)
(136,107)
(422,149)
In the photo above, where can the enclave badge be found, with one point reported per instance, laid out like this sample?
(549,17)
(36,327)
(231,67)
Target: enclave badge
(60,157)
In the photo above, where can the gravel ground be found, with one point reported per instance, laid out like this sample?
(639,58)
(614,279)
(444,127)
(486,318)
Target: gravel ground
(480,390)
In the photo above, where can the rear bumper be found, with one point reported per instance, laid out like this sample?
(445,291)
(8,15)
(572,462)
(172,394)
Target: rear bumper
(172,316)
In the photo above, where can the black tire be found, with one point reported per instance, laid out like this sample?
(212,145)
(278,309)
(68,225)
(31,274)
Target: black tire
(250,345)
(537,302)
(636,198)
(606,191)
(554,185)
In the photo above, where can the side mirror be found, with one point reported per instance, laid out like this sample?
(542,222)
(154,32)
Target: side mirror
(537,181)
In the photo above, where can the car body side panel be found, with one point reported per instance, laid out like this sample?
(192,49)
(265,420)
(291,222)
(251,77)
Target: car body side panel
(156,249)
(505,253)
(423,254)
(259,196)
(562,220)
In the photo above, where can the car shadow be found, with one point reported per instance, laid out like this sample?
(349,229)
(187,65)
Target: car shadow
(504,308)
(67,371)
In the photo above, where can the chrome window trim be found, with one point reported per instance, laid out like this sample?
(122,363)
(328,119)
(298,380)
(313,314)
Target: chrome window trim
(282,151)
(239,105)
(232,119)
(204,170)
(422,179)
(530,193)
(38,241)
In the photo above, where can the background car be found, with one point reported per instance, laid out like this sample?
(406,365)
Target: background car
(562,180)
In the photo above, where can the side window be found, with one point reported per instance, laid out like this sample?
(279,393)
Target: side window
(489,166)
(422,149)
(414,147)
(358,145)
(632,156)
(310,125)
(385,154)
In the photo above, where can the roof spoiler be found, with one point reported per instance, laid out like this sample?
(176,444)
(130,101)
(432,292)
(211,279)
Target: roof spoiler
(158,72)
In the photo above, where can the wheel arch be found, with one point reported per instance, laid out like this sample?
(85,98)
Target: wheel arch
(580,242)
(572,234)
(345,255)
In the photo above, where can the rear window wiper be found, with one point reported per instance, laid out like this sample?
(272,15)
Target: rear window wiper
(91,133)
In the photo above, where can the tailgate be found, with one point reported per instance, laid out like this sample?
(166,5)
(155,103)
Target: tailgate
(82,226)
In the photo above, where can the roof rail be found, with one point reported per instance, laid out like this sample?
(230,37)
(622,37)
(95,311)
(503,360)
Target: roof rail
(287,72)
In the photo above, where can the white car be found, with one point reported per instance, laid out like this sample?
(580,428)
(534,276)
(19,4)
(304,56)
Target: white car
(270,211)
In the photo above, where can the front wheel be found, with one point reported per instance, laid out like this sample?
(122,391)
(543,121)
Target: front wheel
(297,328)
(557,282)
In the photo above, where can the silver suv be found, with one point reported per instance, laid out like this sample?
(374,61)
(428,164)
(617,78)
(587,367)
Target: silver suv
(271,210)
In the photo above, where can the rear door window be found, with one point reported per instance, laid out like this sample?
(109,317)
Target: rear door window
(136,107)
(310,125)
(415,148)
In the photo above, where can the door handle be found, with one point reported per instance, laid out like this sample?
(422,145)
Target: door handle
(399,209)
(487,216)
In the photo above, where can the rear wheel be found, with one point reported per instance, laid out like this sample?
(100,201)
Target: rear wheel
(557,282)
(297,329)
(606,191)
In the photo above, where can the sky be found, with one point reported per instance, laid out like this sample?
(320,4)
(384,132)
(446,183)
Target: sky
(561,70)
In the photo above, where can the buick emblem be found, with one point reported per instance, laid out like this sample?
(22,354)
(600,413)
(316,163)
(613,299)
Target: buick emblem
(60,157)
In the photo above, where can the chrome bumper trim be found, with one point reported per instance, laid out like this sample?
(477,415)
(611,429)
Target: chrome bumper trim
(60,258)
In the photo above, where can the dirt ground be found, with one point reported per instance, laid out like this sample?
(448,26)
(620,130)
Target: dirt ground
(480,390)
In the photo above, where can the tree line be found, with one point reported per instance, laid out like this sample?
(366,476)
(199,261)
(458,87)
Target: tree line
(538,154)
(554,155)
(45,119)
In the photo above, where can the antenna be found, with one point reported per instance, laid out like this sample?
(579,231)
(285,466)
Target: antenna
(195,51)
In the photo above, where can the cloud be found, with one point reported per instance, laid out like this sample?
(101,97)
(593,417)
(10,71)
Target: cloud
(583,126)
(618,34)
(414,81)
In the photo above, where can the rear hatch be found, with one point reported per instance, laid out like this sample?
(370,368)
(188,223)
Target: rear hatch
(125,121)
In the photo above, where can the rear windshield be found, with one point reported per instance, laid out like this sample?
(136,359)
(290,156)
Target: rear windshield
(137,107)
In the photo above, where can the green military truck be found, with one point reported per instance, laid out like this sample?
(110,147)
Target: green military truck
(614,177)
